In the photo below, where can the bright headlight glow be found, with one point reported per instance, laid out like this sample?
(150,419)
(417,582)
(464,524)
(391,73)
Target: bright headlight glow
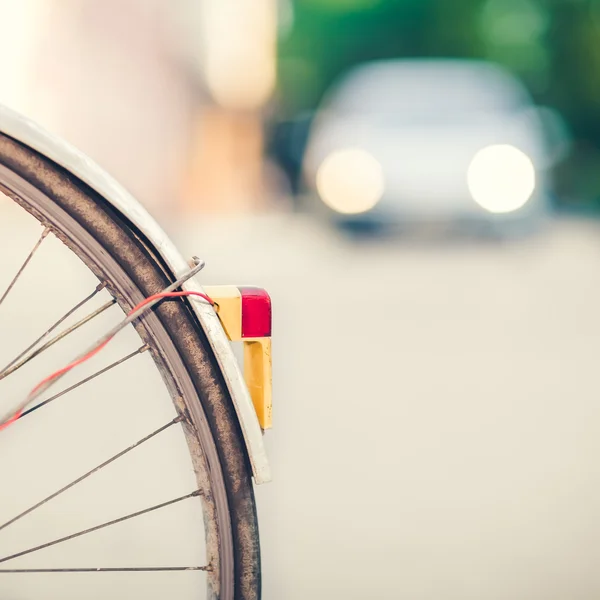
(501,178)
(350,181)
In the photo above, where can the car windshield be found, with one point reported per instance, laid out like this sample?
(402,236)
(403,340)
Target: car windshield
(415,92)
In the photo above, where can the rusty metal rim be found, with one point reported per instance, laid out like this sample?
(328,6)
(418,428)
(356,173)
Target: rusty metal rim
(79,166)
(167,359)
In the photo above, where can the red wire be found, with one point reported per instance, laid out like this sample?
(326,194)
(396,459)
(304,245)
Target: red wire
(95,351)
(14,418)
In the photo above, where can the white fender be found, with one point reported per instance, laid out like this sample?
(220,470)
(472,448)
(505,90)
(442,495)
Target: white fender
(32,135)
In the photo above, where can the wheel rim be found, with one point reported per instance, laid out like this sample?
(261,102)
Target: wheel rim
(204,458)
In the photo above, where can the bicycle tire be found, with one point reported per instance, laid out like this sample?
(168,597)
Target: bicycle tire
(94,230)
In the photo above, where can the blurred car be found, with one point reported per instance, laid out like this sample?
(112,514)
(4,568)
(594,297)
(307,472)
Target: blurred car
(423,140)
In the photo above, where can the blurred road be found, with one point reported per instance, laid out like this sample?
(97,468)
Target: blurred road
(437,412)
(437,422)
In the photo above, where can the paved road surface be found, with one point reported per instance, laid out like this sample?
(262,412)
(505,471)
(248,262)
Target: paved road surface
(437,420)
(437,412)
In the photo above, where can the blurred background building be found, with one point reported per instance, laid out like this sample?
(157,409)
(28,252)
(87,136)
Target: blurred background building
(167,96)
(224,91)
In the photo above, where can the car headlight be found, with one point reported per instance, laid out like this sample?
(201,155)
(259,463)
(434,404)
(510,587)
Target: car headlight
(501,178)
(350,181)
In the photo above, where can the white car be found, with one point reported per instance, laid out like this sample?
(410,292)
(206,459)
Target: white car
(432,140)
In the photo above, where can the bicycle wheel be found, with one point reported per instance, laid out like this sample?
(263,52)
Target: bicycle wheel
(201,413)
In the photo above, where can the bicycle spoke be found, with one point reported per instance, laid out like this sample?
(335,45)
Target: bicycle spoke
(22,268)
(56,339)
(90,473)
(100,287)
(67,538)
(76,385)
(137,312)
(108,570)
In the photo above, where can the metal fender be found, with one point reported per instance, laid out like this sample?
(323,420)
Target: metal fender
(52,147)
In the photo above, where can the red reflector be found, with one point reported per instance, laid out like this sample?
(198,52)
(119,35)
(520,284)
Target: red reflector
(256,312)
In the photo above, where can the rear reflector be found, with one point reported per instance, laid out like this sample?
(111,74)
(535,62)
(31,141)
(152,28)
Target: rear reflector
(256,312)
(245,314)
